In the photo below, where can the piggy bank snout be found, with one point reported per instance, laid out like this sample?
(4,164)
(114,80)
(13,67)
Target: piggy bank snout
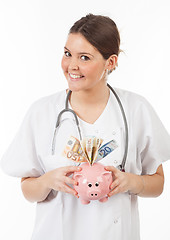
(94,194)
(94,190)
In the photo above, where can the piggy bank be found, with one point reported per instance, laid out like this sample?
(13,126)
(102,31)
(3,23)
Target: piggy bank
(93,183)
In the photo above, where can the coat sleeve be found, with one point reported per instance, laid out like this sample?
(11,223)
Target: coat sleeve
(20,159)
(153,141)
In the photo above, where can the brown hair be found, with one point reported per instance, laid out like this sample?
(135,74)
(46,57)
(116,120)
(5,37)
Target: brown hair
(101,32)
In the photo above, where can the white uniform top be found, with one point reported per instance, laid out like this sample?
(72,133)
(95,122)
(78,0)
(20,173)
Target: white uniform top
(62,216)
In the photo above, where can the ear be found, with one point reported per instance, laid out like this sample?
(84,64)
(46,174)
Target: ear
(107,175)
(111,62)
(77,176)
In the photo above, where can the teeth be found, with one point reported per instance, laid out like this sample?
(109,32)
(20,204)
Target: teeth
(75,76)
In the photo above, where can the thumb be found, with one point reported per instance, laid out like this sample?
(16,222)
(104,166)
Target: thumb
(72,169)
(112,169)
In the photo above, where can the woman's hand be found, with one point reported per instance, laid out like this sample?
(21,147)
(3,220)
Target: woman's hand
(36,189)
(59,179)
(123,182)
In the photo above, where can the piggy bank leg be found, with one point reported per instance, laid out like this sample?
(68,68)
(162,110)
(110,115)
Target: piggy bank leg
(105,199)
(83,201)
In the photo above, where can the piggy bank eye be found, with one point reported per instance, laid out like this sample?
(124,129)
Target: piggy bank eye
(96,184)
(89,185)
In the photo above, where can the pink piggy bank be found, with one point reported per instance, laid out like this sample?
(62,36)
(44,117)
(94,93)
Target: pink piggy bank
(93,183)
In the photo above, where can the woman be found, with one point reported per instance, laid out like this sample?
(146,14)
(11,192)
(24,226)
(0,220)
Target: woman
(90,55)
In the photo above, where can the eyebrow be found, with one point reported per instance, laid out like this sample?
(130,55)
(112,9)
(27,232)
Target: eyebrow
(80,53)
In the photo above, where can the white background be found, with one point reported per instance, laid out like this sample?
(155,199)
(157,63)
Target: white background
(32,36)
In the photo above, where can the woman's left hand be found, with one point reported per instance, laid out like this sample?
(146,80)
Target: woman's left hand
(121,181)
(141,185)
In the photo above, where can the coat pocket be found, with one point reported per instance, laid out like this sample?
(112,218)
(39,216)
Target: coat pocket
(115,157)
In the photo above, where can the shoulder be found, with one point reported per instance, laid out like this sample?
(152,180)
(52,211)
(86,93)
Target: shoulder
(45,108)
(138,109)
(133,101)
(127,96)
(52,102)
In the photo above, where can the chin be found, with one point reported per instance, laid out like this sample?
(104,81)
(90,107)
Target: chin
(75,87)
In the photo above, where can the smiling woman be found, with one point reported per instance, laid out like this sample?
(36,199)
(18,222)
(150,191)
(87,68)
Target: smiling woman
(90,54)
(83,65)
(86,51)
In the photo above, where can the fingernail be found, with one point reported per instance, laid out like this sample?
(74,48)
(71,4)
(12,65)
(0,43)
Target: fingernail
(76,195)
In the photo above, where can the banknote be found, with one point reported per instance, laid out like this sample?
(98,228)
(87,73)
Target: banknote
(73,150)
(96,145)
(82,151)
(106,149)
(90,146)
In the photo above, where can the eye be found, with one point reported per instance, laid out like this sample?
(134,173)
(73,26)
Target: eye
(84,58)
(89,185)
(96,184)
(67,54)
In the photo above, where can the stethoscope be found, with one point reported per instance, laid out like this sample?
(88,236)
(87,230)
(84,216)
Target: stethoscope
(121,167)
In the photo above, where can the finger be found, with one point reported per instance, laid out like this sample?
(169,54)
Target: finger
(72,169)
(115,191)
(111,168)
(70,190)
(114,170)
(69,180)
(114,184)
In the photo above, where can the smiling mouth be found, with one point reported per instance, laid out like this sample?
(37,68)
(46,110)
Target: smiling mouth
(75,76)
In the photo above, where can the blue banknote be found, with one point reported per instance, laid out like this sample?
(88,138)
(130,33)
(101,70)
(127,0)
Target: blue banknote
(106,149)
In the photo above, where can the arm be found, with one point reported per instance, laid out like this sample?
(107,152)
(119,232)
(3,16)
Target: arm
(37,189)
(141,185)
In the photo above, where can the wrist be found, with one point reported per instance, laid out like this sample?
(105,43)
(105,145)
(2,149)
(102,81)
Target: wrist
(44,182)
(137,184)
(142,185)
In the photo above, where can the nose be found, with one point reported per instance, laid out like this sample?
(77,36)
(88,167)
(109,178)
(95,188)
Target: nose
(73,64)
(94,194)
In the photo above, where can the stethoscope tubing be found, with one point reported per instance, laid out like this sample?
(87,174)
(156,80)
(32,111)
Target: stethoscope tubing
(67,109)
(122,166)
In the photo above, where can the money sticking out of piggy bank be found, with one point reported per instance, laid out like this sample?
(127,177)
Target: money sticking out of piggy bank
(93,183)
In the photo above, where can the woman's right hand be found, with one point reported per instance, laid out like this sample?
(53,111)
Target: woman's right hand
(58,179)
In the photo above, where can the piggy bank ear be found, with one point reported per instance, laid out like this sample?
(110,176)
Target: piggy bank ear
(77,176)
(107,175)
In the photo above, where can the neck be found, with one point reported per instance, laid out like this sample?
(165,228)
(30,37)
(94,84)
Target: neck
(97,95)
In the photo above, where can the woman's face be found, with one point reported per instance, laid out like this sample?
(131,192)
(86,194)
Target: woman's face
(83,65)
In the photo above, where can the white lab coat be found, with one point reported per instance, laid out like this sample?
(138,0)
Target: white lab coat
(62,216)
